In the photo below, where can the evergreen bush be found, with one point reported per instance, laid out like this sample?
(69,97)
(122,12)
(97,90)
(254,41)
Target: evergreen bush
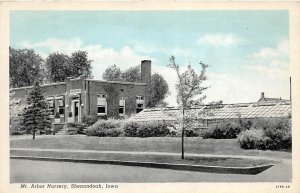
(36,115)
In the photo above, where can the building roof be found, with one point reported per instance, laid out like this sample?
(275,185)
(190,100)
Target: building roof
(225,111)
(117,82)
(267,99)
(43,85)
(62,83)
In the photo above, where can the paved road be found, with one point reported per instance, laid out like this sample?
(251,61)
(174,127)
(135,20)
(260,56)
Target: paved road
(28,171)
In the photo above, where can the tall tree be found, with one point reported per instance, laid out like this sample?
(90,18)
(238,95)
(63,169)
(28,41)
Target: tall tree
(112,73)
(132,74)
(80,64)
(57,65)
(36,115)
(25,67)
(189,91)
(159,89)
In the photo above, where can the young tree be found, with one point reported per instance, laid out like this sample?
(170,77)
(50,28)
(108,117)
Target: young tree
(57,65)
(159,89)
(36,115)
(189,91)
(79,64)
(25,67)
(112,73)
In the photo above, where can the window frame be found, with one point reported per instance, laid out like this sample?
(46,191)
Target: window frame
(61,107)
(140,100)
(122,114)
(101,97)
(51,109)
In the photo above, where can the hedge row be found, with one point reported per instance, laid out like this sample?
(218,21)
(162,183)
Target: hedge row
(116,128)
(224,130)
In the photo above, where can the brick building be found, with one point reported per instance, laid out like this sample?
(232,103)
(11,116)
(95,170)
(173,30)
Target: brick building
(78,97)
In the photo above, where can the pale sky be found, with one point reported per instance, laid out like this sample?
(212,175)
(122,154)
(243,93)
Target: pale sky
(247,51)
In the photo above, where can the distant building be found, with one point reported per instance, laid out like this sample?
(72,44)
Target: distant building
(80,97)
(208,114)
(265,99)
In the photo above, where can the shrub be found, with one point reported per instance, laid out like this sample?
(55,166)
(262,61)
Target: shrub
(147,129)
(173,132)
(153,129)
(46,131)
(15,132)
(279,131)
(226,130)
(72,132)
(274,134)
(16,125)
(104,117)
(57,127)
(89,119)
(253,139)
(105,128)
(191,133)
(102,132)
(130,128)
(245,124)
(57,116)
(78,127)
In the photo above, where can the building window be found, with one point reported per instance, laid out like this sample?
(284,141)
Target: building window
(139,103)
(140,98)
(51,106)
(101,104)
(61,107)
(122,107)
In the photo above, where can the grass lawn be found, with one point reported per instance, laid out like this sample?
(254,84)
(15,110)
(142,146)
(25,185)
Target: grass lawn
(151,144)
(174,159)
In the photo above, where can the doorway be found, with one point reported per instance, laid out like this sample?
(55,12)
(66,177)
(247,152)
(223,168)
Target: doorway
(76,111)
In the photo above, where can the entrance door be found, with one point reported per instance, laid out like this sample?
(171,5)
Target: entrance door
(76,111)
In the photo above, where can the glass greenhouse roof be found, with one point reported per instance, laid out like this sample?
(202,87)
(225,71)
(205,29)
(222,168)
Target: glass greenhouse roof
(224,111)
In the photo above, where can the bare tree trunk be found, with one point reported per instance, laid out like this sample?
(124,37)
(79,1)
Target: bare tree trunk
(33,134)
(182,135)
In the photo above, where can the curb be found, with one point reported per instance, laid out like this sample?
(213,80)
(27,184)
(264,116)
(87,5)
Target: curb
(151,153)
(195,168)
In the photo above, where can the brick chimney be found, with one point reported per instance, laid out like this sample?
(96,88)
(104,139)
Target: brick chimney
(146,71)
(262,97)
(146,76)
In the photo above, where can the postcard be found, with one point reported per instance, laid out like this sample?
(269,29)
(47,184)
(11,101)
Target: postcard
(150,96)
